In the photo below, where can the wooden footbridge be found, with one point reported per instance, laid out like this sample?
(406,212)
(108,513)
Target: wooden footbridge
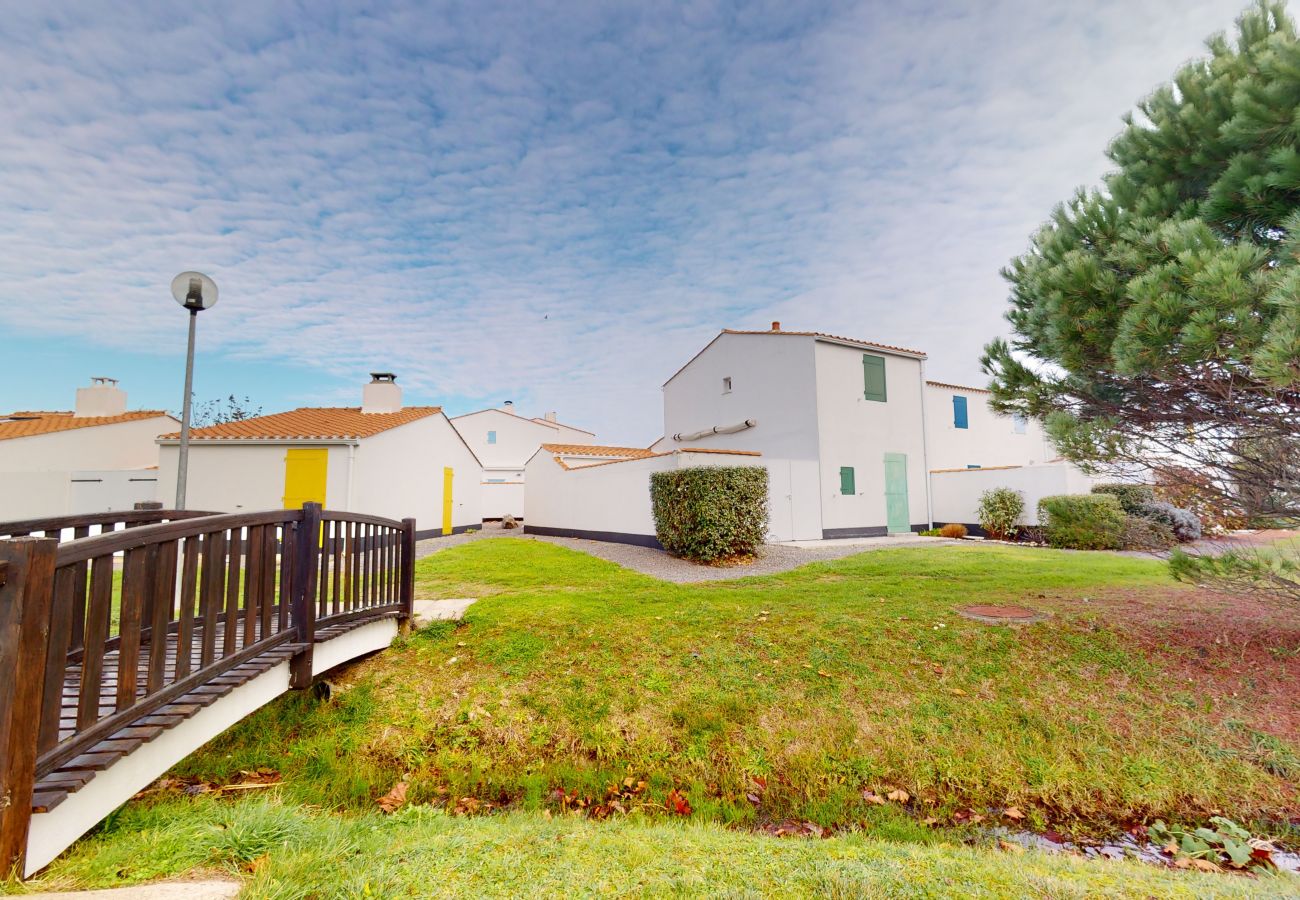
(123,651)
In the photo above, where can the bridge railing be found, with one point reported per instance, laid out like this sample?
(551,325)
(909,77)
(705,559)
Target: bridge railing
(88,524)
(100,632)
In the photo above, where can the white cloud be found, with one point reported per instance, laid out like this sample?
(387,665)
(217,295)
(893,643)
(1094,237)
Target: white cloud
(556,203)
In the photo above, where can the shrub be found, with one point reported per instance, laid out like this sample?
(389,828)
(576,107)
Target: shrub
(953,530)
(1141,533)
(1184,525)
(930,532)
(709,513)
(1000,510)
(1131,497)
(1082,521)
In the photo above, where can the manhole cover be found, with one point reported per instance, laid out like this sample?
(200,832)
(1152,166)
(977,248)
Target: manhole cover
(1002,615)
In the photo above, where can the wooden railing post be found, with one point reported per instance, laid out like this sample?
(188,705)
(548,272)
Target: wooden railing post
(26,586)
(303,609)
(407,568)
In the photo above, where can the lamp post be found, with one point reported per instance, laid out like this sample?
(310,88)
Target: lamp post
(196,292)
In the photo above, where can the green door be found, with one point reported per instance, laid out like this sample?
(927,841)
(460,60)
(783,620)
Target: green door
(896,511)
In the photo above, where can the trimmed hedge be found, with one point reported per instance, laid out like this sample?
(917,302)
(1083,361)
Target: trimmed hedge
(1131,497)
(1082,521)
(708,513)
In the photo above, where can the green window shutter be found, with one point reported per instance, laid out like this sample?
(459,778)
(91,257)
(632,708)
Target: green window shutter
(873,377)
(847,485)
(959,418)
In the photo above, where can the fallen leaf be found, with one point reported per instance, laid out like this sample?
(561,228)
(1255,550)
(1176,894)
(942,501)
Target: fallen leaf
(1012,812)
(873,797)
(677,803)
(823,674)
(1182,863)
(958,692)
(1204,865)
(394,799)
(929,820)
(1171,848)
(899,795)
(1011,846)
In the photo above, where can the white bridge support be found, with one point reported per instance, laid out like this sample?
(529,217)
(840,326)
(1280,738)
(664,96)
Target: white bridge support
(54,831)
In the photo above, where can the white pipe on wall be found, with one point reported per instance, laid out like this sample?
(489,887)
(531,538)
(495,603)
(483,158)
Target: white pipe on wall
(716,429)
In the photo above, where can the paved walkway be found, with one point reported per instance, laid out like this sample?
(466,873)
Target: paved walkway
(773,558)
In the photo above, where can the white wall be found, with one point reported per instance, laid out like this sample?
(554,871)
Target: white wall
(611,499)
(858,432)
(37,472)
(501,499)
(957,492)
(517,438)
(246,476)
(990,439)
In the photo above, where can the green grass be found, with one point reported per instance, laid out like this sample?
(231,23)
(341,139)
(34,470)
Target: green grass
(797,691)
(285,851)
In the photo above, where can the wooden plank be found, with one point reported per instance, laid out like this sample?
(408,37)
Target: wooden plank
(407,598)
(56,658)
(101,600)
(253,584)
(185,614)
(231,635)
(212,593)
(26,588)
(337,546)
(120,541)
(161,609)
(80,583)
(304,598)
(135,591)
(284,593)
(265,614)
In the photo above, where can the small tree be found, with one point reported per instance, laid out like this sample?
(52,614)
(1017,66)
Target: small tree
(215,412)
(1000,510)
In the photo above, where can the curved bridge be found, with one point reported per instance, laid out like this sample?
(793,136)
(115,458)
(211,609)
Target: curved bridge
(123,652)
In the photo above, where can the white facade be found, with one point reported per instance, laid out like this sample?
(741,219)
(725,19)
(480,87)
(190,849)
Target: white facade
(96,458)
(504,441)
(609,501)
(979,437)
(398,472)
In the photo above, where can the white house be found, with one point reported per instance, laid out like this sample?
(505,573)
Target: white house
(504,441)
(97,458)
(380,458)
(963,431)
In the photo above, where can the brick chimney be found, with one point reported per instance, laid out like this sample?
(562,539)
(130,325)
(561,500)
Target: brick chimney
(776,326)
(381,395)
(550,416)
(102,398)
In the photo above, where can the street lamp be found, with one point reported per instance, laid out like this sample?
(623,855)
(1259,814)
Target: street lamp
(196,292)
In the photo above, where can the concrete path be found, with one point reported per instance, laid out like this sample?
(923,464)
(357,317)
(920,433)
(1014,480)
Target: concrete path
(772,559)
(451,610)
(168,890)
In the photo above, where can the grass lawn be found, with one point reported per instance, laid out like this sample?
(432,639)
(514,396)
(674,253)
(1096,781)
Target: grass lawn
(759,700)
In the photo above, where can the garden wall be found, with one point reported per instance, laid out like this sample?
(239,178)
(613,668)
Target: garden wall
(956,492)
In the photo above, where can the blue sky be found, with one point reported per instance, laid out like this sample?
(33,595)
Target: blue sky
(554,203)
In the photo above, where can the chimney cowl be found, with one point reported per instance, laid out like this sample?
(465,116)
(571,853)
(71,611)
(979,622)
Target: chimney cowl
(102,398)
(776,326)
(382,394)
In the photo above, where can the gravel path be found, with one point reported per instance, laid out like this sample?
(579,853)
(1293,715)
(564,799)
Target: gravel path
(657,564)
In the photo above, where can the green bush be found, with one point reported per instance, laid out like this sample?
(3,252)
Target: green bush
(709,513)
(1131,497)
(1146,534)
(1000,510)
(1082,521)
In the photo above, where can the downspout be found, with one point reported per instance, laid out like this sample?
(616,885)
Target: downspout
(925,455)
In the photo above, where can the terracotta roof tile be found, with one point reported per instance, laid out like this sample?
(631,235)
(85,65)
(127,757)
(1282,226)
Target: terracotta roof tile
(958,387)
(597,450)
(32,423)
(831,337)
(312,423)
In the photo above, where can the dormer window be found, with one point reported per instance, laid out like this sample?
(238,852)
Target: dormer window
(726,385)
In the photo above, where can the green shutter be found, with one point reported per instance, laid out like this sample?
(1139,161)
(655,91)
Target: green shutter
(873,377)
(847,485)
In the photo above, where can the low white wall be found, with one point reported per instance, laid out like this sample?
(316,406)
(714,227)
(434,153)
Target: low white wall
(956,493)
(502,499)
(609,502)
(35,495)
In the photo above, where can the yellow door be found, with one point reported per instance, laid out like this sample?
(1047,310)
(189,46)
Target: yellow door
(447,474)
(304,476)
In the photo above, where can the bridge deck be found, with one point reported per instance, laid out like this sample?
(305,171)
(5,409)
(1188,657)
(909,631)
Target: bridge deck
(55,787)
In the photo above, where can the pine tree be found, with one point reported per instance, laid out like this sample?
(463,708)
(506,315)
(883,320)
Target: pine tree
(1160,312)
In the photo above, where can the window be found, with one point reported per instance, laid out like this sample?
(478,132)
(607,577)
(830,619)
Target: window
(959,419)
(726,385)
(1018,423)
(496,481)
(873,377)
(969,466)
(492,437)
(847,485)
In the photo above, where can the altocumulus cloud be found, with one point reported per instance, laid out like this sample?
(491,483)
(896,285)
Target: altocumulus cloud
(554,202)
